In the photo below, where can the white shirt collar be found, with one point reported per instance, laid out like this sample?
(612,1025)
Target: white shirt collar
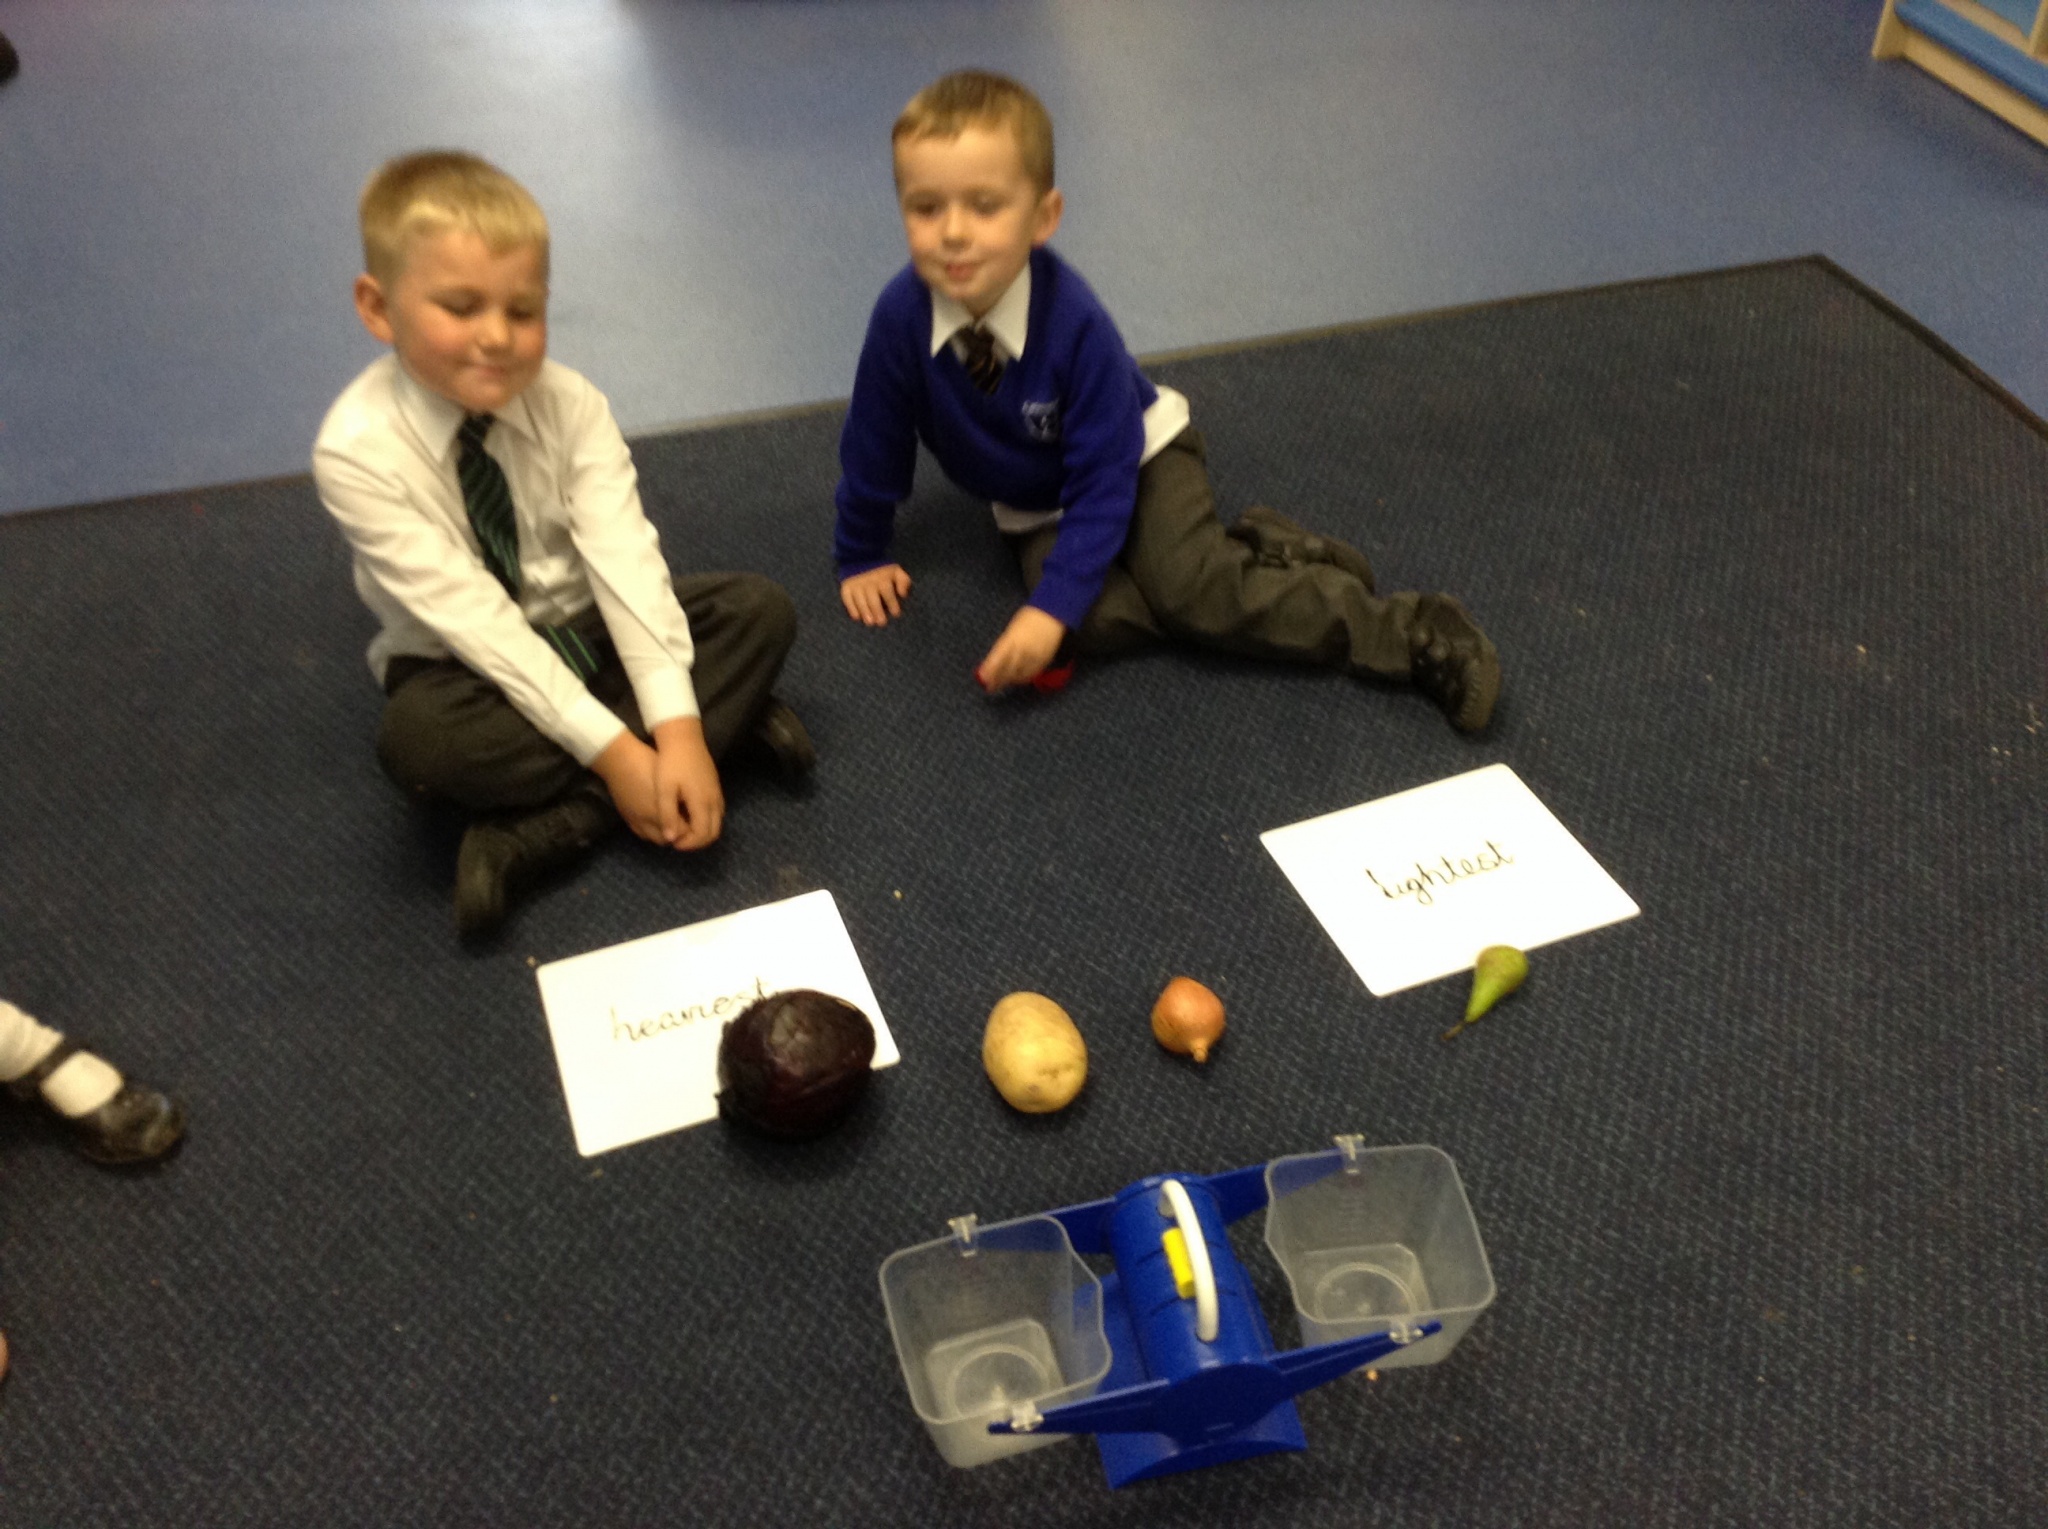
(437,419)
(1009,320)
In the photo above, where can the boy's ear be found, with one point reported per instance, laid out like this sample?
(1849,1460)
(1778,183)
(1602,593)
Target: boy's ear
(371,307)
(1047,221)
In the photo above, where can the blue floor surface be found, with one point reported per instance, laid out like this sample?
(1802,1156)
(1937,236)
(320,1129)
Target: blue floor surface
(177,184)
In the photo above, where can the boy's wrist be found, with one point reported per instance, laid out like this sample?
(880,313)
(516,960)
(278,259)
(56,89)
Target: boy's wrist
(665,693)
(677,726)
(617,756)
(855,570)
(678,733)
(1062,597)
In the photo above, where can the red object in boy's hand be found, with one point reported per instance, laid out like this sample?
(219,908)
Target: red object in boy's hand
(1045,682)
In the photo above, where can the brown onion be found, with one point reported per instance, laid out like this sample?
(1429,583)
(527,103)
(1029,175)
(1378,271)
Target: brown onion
(1188,1018)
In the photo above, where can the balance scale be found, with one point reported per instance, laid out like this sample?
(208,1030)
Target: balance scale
(1009,1342)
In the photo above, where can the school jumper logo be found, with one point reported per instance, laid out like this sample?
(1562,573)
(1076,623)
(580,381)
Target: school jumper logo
(1043,420)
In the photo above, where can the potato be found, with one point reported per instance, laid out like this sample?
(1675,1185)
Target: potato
(1034,1054)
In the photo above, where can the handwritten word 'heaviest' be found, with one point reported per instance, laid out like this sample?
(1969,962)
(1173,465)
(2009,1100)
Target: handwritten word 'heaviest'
(719,1009)
(1428,880)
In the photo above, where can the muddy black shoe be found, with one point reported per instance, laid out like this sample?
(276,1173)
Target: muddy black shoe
(1280,542)
(1451,662)
(502,857)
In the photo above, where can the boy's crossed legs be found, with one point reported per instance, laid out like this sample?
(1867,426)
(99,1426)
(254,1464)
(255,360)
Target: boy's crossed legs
(1271,590)
(449,733)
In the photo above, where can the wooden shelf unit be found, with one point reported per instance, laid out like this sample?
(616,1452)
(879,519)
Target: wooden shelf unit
(1982,52)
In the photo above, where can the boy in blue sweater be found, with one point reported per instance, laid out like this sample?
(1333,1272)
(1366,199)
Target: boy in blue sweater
(991,350)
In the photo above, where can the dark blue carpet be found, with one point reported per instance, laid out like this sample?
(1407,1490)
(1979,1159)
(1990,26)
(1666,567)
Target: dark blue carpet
(1759,1172)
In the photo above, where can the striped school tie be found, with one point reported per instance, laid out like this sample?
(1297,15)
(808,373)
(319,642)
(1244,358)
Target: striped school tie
(978,355)
(488,499)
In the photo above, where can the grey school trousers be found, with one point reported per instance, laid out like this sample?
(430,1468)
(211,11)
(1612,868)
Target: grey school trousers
(448,732)
(1181,576)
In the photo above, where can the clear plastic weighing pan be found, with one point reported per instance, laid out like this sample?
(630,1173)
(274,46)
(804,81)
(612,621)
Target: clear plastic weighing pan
(990,1318)
(1374,1240)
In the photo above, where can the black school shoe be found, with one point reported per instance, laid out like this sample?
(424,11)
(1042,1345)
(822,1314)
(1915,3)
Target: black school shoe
(1451,661)
(779,740)
(10,61)
(502,857)
(138,1125)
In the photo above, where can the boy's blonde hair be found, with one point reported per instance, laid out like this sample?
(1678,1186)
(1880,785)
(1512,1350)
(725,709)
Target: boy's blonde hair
(427,193)
(976,98)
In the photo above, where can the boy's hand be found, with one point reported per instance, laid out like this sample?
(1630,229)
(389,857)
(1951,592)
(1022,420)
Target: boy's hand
(664,794)
(626,766)
(871,598)
(1027,645)
(686,785)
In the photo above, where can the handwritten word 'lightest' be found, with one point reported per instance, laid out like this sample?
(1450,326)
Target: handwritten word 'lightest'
(1428,880)
(721,1009)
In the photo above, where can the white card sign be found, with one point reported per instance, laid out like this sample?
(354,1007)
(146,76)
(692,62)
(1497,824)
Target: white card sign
(636,1026)
(1413,886)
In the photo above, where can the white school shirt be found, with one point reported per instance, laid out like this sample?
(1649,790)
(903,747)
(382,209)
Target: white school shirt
(384,463)
(1009,325)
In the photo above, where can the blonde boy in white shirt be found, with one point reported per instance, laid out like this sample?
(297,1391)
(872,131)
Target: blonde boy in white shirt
(540,667)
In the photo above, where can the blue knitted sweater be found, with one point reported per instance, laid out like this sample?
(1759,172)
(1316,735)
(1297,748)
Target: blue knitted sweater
(1063,430)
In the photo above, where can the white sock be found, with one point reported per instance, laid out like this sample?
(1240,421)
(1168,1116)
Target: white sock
(23,1042)
(80,1086)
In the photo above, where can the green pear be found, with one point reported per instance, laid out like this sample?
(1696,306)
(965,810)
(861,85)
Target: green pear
(1497,972)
